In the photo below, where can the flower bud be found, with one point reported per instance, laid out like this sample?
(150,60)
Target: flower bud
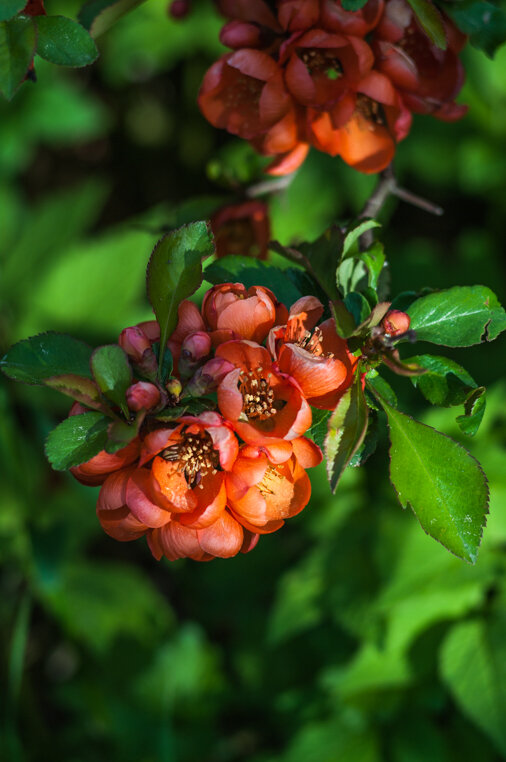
(174,387)
(134,342)
(178,9)
(395,323)
(208,377)
(194,350)
(142,396)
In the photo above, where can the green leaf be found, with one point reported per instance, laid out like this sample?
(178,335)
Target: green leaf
(354,233)
(254,272)
(63,41)
(347,429)
(484,22)
(38,358)
(319,427)
(458,317)
(17,48)
(323,256)
(120,433)
(99,15)
(377,383)
(112,372)
(353,5)
(474,408)
(10,8)
(444,485)
(358,306)
(446,383)
(473,666)
(76,439)
(81,389)
(431,21)
(374,260)
(175,272)
(349,274)
(368,446)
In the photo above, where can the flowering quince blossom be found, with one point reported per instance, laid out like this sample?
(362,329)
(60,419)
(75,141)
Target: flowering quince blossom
(307,72)
(242,229)
(208,484)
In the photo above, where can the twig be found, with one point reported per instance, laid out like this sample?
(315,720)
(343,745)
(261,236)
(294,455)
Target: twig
(387,186)
(270,186)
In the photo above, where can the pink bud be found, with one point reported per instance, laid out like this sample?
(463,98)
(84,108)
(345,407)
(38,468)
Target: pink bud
(142,396)
(179,8)
(196,346)
(208,377)
(396,323)
(134,342)
(238,34)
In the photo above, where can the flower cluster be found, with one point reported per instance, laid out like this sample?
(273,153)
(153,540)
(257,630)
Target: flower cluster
(207,484)
(307,72)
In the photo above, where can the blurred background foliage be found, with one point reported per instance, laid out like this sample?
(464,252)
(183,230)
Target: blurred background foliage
(350,636)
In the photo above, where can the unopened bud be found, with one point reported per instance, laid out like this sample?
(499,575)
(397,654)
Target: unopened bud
(178,9)
(194,350)
(134,342)
(174,387)
(208,377)
(395,323)
(142,396)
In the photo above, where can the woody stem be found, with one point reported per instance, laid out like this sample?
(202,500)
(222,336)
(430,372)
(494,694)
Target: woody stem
(387,186)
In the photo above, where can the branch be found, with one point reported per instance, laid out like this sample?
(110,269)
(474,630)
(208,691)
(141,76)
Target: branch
(387,186)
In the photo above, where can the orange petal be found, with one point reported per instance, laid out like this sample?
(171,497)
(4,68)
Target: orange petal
(308,454)
(138,499)
(223,539)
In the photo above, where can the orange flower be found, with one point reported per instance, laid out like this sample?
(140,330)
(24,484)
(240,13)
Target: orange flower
(258,400)
(427,77)
(242,229)
(233,312)
(366,140)
(261,494)
(315,357)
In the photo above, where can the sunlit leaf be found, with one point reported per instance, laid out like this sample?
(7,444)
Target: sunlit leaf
(76,439)
(347,429)
(63,41)
(38,358)
(112,372)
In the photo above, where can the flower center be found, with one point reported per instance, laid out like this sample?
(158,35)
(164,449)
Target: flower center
(320,61)
(270,482)
(370,110)
(195,455)
(311,342)
(257,394)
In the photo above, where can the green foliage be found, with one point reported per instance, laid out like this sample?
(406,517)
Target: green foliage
(458,317)
(473,665)
(175,272)
(112,372)
(75,440)
(444,485)
(484,22)
(346,430)
(99,15)
(431,21)
(253,272)
(17,47)
(41,357)
(63,41)
(10,8)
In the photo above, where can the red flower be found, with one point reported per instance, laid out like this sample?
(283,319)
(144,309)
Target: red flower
(253,25)
(322,67)
(242,229)
(298,15)
(262,495)
(396,323)
(243,93)
(260,402)
(232,312)
(34,8)
(367,139)
(315,357)
(336,19)
(429,78)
